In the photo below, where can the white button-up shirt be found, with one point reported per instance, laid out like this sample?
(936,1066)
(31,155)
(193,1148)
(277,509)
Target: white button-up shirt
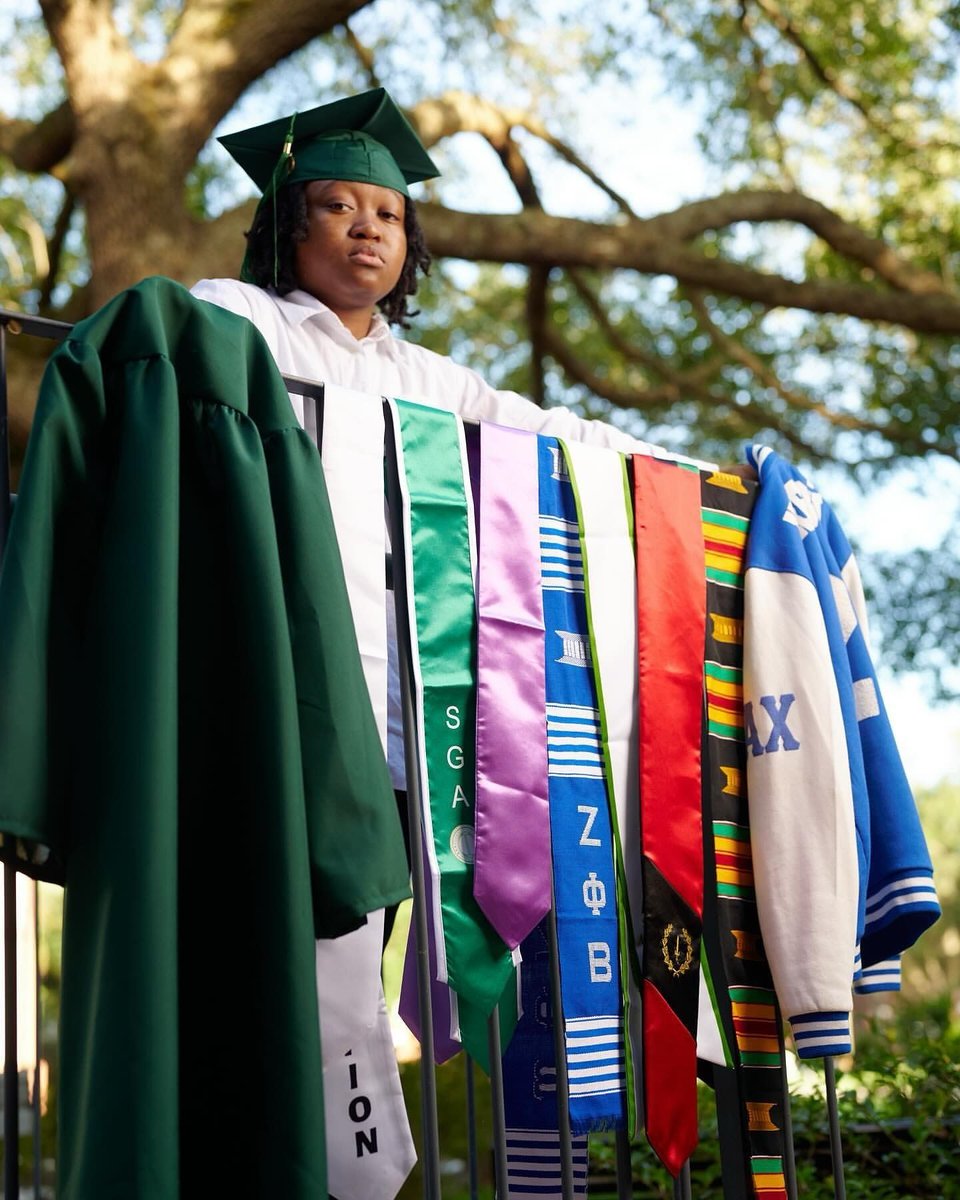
(309,340)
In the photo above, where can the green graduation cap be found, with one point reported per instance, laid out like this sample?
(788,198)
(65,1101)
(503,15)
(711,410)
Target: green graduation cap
(364,138)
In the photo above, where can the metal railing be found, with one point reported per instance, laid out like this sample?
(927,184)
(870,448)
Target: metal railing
(430,1150)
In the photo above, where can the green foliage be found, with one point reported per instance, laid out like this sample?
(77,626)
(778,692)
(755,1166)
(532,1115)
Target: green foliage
(916,598)
(452,1084)
(899,1117)
(931,969)
(899,1112)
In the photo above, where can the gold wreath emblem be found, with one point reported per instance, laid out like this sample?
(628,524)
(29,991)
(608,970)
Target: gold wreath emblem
(676,947)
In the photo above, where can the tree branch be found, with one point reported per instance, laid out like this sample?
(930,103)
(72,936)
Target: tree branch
(749,418)
(55,249)
(217,50)
(38,146)
(834,82)
(905,441)
(623,397)
(763,87)
(827,76)
(364,55)
(97,61)
(459,112)
(696,376)
(762,205)
(517,168)
(646,246)
(677,388)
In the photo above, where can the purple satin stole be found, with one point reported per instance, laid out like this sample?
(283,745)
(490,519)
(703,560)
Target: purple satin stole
(512,874)
(445,1046)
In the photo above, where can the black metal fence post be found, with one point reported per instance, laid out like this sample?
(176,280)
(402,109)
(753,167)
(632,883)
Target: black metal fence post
(11,1099)
(37,1146)
(833,1113)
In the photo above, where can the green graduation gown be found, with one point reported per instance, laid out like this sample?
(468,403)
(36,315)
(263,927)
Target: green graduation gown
(185,726)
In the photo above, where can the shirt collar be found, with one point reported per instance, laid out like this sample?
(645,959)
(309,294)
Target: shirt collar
(299,306)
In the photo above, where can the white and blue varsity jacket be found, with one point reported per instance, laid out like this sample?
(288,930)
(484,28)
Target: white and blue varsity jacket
(843,877)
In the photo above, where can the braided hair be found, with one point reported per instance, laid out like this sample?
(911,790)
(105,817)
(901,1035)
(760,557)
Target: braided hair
(292,227)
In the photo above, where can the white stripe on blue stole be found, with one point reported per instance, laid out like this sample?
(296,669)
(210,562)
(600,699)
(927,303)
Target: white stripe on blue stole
(594,1056)
(534,1164)
(573,741)
(561,560)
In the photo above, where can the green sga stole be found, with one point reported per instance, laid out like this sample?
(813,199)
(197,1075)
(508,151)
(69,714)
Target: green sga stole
(440,572)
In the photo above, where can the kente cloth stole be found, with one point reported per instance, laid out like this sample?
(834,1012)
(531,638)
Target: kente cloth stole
(605,518)
(584,879)
(530,1087)
(732,941)
(439,564)
(670,608)
(512,877)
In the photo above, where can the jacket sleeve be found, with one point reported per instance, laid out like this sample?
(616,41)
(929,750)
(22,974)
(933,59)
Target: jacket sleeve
(803,832)
(900,899)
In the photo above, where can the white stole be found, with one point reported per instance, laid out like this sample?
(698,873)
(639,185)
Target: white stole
(355,1029)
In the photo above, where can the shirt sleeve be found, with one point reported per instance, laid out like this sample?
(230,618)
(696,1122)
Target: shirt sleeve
(226,293)
(464,391)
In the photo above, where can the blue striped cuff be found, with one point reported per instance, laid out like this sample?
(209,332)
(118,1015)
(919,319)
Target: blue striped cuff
(881,977)
(915,893)
(821,1035)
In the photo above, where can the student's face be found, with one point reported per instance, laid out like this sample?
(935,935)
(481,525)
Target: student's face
(355,246)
